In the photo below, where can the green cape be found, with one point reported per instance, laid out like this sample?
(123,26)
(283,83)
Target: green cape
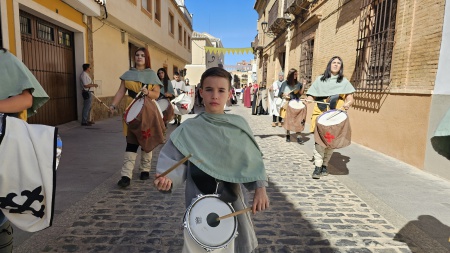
(441,139)
(16,78)
(146,76)
(222,145)
(330,87)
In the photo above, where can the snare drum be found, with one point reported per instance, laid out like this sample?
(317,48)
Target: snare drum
(166,109)
(295,116)
(133,111)
(333,129)
(200,222)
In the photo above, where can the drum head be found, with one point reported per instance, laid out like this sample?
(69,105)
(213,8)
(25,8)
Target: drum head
(163,104)
(296,104)
(209,234)
(134,110)
(332,117)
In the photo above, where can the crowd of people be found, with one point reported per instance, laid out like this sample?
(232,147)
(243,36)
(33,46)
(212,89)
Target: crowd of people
(200,160)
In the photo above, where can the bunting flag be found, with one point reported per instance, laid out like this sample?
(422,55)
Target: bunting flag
(222,50)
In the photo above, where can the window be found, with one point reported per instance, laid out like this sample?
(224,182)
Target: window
(147,4)
(64,38)
(189,43)
(180,33)
(158,10)
(306,61)
(375,45)
(185,39)
(25,25)
(147,7)
(171,23)
(45,32)
(175,69)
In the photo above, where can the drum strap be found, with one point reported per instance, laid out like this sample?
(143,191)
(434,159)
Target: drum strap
(209,185)
(322,107)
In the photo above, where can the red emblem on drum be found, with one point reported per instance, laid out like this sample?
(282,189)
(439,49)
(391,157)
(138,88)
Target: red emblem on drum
(184,106)
(146,134)
(329,137)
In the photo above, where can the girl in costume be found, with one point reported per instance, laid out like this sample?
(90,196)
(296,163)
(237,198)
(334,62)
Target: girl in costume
(168,93)
(223,136)
(294,120)
(148,132)
(331,87)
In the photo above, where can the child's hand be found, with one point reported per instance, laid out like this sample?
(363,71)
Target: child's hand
(260,200)
(163,183)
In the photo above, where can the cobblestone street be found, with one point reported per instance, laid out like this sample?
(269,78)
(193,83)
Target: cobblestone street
(305,215)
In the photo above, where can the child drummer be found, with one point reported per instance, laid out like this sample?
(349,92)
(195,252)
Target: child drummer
(224,154)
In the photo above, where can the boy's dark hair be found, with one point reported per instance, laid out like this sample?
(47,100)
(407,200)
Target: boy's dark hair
(216,71)
(86,66)
(176,73)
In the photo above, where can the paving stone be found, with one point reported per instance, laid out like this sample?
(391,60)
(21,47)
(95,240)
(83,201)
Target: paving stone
(306,215)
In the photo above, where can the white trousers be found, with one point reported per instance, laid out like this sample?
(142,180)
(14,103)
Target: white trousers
(322,155)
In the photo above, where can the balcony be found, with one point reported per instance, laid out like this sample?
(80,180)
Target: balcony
(277,22)
(296,7)
(88,7)
(256,45)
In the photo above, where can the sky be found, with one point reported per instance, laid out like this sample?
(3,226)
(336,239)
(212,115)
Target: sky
(231,21)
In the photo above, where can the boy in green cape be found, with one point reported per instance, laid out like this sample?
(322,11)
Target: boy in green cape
(224,155)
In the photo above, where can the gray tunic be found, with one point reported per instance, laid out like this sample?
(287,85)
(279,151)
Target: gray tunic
(246,240)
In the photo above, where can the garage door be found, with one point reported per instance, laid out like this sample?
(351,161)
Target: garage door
(48,51)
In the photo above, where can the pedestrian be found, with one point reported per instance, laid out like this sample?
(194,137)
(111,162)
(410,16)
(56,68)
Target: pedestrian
(334,88)
(20,96)
(247,96)
(188,87)
(166,93)
(86,85)
(180,87)
(294,119)
(211,165)
(147,132)
(275,101)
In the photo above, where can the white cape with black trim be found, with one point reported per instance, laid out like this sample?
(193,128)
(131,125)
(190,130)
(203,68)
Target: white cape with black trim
(27,173)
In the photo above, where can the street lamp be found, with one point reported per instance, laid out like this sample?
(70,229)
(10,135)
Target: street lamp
(264,25)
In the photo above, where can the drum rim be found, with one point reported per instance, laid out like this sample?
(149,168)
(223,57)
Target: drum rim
(297,101)
(125,114)
(188,227)
(330,111)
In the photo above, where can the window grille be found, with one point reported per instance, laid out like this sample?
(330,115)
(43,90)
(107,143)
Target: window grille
(25,25)
(375,45)
(306,61)
(45,32)
(64,38)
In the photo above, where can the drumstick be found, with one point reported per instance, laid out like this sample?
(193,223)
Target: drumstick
(235,213)
(175,166)
(136,97)
(100,101)
(313,101)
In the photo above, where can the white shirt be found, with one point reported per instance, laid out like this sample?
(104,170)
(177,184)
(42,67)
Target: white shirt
(180,85)
(84,80)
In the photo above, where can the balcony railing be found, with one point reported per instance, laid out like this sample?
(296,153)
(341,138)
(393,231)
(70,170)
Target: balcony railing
(277,22)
